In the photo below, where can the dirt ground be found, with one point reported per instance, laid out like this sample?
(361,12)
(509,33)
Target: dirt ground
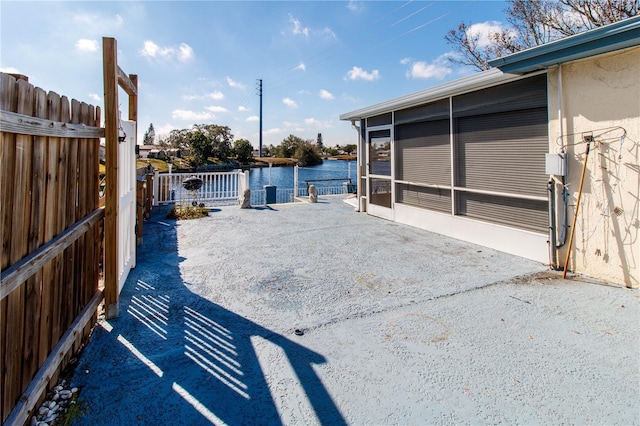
(315,314)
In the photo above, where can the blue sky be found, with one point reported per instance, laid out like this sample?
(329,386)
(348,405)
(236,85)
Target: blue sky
(199,62)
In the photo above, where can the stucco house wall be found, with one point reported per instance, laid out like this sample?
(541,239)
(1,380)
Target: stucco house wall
(594,95)
(600,96)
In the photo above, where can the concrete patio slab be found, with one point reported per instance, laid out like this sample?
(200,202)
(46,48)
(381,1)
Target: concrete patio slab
(314,314)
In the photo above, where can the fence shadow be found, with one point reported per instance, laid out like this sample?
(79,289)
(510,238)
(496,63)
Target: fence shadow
(173,357)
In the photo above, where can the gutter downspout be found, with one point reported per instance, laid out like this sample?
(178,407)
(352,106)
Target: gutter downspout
(563,232)
(553,255)
(359,164)
(554,244)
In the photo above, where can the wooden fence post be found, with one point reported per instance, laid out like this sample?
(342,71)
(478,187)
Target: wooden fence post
(114,77)
(111,124)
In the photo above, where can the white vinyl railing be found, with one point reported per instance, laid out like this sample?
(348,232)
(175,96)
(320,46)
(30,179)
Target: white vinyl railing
(226,188)
(217,188)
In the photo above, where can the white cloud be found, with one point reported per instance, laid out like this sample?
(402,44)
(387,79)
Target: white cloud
(243,108)
(253,118)
(329,32)
(235,84)
(95,97)
(86,45)
(438,69)
(216,96)
(98,24)
(405,61)
(298,29)
(317,123)
(300,67)
(289,102)
(355,6)
(324,94)
(273,131)
(484,30)
(164,130)
(180,114)
(216,109)
(424,70)
(357,73)
(350,98)
(85,19)
(151,50)
(185,52)
(9,70)
(292,127)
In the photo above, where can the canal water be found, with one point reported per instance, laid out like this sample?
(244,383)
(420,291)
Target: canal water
(282,177)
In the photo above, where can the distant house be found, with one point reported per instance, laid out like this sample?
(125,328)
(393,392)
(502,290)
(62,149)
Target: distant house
(488,158)
(144,150)
(155,151)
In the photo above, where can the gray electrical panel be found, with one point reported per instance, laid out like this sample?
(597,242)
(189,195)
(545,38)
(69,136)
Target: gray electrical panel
(556,164)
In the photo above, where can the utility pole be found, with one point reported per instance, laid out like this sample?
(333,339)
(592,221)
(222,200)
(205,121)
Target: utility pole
(260,94)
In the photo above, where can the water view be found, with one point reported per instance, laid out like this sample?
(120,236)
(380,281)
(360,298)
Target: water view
(282,177)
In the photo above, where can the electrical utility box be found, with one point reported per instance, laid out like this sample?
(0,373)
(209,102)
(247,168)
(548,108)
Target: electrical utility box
(556,164)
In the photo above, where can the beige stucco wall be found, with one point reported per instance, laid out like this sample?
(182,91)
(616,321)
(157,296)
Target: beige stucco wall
(601,97)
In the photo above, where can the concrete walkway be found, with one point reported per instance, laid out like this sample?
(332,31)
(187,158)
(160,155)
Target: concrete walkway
(315,314)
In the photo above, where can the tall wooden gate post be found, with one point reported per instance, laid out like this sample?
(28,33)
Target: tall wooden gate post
(114,77)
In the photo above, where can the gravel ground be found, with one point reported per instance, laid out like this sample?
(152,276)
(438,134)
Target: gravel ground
(313,314)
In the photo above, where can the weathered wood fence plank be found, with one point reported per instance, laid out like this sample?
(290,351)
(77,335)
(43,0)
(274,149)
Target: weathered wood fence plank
(25,125)
(8,100)
(27,402)
(51,230)
(21,180)
(21,271)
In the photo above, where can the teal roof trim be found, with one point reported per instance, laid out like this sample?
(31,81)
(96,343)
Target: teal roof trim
(609,38)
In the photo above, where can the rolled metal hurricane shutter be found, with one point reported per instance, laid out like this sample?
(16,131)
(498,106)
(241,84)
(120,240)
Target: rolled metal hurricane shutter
(423,157)
(501,140)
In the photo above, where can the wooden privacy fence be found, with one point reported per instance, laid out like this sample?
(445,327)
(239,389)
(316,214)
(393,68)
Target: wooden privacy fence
(51,237)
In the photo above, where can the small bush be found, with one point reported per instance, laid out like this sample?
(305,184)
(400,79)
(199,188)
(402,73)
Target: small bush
(186,212)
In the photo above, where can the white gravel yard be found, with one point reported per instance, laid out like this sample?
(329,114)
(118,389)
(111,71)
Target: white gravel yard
(315,314)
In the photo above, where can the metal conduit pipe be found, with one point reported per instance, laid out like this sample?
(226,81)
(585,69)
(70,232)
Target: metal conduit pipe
(553,255)
(563,232)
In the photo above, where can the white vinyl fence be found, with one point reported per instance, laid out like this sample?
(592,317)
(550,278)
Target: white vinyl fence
(220,188)
(127,202)
(217,188)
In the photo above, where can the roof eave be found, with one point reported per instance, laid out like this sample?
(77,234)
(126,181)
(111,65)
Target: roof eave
(617,36)
(467,84)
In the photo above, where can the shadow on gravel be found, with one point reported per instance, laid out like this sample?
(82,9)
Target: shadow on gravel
(173,357)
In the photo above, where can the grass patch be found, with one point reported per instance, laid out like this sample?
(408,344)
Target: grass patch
(276,161)
(186,212)
(160,165)
(343,157)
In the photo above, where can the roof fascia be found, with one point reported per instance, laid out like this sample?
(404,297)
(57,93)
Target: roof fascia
(471,83)
(616,36)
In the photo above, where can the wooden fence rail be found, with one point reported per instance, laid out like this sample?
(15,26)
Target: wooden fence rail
(51,238)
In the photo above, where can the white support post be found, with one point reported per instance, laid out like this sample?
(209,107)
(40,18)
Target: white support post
(156,188)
